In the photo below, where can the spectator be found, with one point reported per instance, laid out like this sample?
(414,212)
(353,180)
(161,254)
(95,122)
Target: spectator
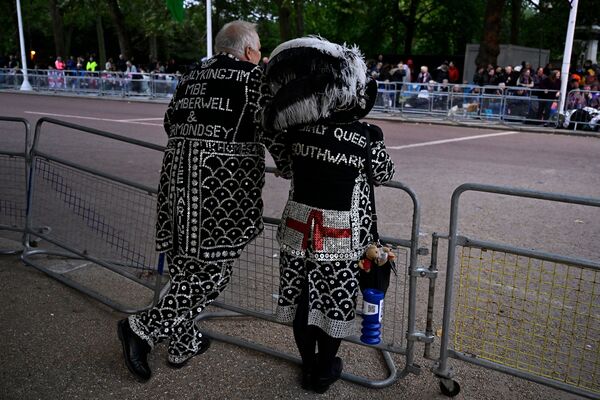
(91,65)
(59,64)
(480,77)
(385,74)
(424,76)
(441,72)
(264,62)
(407,72)
(376,70)
(453,73)
(444,86)
(538,77)
(13,62)
(121,63)
(78,77)
(573,83)
(575,98)
(550,93)
(593,96)
(456,98)
(59,74)
(493,78)
(525,79)
(70,64)
(398,74)
(410,73)
(511,76)
(108,66)
(590,77)
(172,67)
(132,77)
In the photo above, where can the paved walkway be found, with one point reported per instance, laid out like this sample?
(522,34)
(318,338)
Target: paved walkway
(61,344)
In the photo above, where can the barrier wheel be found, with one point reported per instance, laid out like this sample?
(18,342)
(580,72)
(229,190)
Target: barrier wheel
(449,387)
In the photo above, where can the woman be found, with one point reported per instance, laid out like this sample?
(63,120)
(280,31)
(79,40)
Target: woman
(320,91)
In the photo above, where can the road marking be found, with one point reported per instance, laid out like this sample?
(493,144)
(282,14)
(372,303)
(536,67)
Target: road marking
(407,146)
(122,121)
(139,119)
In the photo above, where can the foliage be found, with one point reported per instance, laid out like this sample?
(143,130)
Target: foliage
(391,27)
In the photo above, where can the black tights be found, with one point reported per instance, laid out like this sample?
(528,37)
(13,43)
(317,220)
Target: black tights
(308,336)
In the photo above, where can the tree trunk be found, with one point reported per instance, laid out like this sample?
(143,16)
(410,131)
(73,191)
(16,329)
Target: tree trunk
(58,28)
(515,21)
(394,31)
(217,22)
(285,27)
(153,47)
(490,45)
(299,18)
(410,26)
(101,44)
(118,20)
(68,41)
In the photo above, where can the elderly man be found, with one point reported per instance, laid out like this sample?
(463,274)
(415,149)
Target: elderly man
(209,199)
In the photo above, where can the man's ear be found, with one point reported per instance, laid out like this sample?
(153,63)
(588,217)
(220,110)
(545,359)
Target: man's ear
(247,51)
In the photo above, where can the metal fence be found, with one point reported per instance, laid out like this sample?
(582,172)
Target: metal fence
(527,313)
(454,102)
(106,83)
(97,219)
(254,288)
(492,104)
(14,146)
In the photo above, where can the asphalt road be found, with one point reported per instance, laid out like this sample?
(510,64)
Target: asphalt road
(430,159)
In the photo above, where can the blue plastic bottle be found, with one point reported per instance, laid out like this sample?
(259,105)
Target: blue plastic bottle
(372,315)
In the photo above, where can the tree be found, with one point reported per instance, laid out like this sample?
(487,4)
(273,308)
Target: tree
(144,29)
(515,21)
(284,13)
(118,20)
(58,27)
(101,43)
(299,17)
(489,47)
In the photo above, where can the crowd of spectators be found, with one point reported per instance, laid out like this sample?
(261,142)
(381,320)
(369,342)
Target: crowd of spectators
(382,71)
(510,81)
(86,73)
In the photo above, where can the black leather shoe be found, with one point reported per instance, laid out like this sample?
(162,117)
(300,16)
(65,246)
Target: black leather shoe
(307,379)
(204,345)
(135,351)
(322,382)
(308,373)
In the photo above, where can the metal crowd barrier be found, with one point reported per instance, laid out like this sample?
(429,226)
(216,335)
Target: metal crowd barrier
(106,83)
(527,313)
(254,288)
(493,104)
(100,221)
(97,221)
(13,180)
(455,102)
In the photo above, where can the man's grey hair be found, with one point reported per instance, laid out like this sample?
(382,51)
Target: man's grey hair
(235,36)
